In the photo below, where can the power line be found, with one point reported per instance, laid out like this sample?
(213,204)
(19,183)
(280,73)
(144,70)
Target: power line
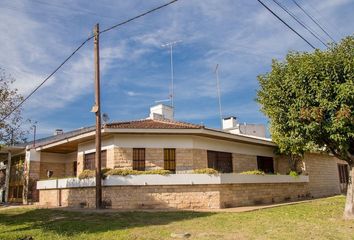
(300,22)
(286,24)
(139,16)
(314,20)
(78,48)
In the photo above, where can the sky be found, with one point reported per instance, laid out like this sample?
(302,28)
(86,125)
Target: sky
(241,36)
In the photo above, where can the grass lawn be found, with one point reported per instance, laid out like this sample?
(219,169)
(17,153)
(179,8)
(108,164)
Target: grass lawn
(320,219)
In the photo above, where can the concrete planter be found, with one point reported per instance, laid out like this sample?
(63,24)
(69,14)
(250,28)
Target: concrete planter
(173,179)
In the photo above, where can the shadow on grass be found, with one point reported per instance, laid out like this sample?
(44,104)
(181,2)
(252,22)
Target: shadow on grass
(65,223)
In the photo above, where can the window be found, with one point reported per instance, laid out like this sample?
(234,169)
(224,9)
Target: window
(265,164)
(89,160)
(75,168)
(170,159)
(139,159)
(220,161)
(343,173)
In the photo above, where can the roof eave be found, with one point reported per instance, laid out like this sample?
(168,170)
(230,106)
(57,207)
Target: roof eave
(201,131)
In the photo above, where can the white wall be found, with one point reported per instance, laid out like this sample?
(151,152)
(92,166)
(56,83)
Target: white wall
(234,147)
(153,141)
(178,141)
(89,147)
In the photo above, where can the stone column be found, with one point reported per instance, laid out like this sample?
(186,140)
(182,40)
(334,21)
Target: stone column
(80,163)
(7,177)
(31,176)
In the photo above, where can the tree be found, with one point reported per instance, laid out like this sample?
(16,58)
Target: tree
(11,129)
(309,99)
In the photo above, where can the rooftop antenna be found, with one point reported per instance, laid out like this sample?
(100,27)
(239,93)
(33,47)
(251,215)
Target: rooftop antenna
(216,71)
(164,100)
(171,45)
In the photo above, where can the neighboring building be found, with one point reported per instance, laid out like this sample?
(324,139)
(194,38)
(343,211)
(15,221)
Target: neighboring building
(159,142)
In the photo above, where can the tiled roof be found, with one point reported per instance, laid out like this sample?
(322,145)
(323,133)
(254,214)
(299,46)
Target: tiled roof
(153,124)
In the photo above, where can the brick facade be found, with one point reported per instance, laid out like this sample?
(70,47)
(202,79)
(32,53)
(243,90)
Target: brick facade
(122,158)
(200,157)
(80,162)
(323,174)
(59,170)
(177,196)
(154,158)
(184,159)
(242,162)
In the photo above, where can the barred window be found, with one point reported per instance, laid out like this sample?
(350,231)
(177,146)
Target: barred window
(89,160)
(139,159)
(343,173)
(170,159)
(220,161)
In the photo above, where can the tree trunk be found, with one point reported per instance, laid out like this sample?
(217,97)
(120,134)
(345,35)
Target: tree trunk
(349,204)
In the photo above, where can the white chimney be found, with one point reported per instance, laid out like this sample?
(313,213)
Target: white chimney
(58,132)
(160,112)
(229,123)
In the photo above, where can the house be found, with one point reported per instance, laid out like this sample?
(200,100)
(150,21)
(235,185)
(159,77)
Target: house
(159,142)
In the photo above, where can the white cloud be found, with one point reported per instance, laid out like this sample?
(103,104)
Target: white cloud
(241,36)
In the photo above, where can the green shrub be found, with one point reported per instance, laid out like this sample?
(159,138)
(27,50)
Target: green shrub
(92,173)
(156,171)
(104,171)
(122,172)
(254,172)
(125,172)
(293,174)
(209,171)
(87,174)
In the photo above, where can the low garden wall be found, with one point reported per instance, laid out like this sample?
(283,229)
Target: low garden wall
(179,191)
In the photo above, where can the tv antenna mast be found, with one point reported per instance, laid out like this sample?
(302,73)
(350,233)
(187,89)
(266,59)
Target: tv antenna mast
(216,71)
(171,45)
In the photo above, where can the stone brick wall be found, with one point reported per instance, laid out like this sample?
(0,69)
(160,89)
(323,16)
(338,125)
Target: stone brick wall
(177,196)
(80,163)
(236,195)
(242,162)
(59,169)
(281,164)
(184,160)
(69,169)
(323,174)
(123,158)
(154,158)
(110,158)
(200,158)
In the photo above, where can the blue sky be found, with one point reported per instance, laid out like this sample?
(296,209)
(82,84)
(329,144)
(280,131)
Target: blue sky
(241,36)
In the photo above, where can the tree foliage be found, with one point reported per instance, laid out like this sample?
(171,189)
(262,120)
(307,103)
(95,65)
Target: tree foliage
(309,99)
(11,129)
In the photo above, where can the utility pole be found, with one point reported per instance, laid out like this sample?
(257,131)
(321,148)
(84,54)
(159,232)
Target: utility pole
(96,109)
(218,89)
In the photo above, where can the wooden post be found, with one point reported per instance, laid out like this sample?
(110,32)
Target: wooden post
(97,111)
